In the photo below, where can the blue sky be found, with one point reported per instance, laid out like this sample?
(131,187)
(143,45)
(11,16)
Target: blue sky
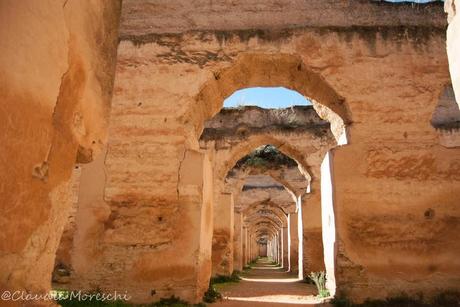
(276,97)
(265,97)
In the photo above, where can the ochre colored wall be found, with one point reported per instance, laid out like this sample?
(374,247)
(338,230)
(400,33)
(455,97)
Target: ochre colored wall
(56,76)
(383,75)
(391,109)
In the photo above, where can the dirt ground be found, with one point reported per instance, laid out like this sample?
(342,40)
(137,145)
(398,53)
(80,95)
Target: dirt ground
(266,284)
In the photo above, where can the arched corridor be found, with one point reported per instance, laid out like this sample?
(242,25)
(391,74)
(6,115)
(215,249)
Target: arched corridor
(125,169)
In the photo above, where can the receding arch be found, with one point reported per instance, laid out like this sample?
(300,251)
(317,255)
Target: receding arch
(264,70)
(254,141)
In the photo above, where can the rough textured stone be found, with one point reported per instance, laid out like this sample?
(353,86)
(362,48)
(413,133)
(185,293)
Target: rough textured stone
(222,241)
(379,67)
(56,77)
(453,44)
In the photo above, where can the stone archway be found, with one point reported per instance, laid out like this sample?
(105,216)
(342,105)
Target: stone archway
(306,145)
(259,69)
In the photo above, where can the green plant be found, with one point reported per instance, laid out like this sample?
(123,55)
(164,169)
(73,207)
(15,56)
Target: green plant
(319,278)
(66,301)
(211,295)
(265,156)
(171,302)
(219,279)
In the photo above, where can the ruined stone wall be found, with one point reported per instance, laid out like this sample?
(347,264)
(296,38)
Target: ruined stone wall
(63,261)
(238,242)
(223,233)
(56,76)
(379,66)
(146,17)
(299,131)
(294,243)
(453,44)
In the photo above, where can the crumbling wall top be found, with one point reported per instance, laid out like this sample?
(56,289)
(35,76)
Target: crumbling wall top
(164,16)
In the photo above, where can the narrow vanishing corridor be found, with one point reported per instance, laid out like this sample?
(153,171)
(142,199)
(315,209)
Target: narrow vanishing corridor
(266,284)
(183,153)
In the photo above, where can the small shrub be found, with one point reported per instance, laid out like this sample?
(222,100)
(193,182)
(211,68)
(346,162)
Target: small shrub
(211,295)
(319,278)
(253,261)
(220,279)
(170,302)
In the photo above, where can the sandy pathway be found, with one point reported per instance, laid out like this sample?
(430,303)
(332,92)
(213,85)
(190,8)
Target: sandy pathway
(267,285)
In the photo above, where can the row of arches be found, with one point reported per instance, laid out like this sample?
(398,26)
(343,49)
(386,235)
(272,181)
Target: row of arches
(149,196)
(209,166)
(268,223)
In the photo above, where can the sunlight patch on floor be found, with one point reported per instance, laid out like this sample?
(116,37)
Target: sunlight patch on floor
(284,299)
(276,280)
(266,268)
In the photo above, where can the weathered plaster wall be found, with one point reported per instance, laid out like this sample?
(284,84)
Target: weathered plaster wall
(63,261)
(294,242)
(56,77)
(238,242)
(453,44)
(145,17)
(223,232)
(298,131)
(446,119)
(169,84)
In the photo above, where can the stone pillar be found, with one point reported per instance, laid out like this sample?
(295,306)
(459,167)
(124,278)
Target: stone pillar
(313,253)
(245,245)
(57,70)
(263,250)
(254,247)
(251,247)
(300,235)
(328,223)
(293,229)
(453,44)
(222,241)
(248,241)
(148,235)
(238,242)
(195,198)
(285,232)
(92,212)
(279,247)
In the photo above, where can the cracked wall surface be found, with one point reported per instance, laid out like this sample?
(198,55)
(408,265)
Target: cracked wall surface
(172,77)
